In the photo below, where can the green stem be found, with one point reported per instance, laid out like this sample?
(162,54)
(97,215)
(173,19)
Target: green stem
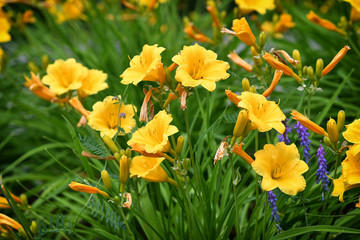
(237,228)
(126,223)
(309,104)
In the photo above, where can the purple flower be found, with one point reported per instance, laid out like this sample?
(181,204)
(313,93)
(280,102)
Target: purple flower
(285,137)
(274,211)
(322,170)
(304,140)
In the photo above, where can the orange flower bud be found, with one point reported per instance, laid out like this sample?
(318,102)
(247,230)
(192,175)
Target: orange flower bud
(275,81)
(336,60)
(239,61)
(128,202)
(308,123)
(239,151)
(281,66)
(79,187)
(232,97)
(243,31)
(6,220)
(39,89)
(75,103)
(324,23)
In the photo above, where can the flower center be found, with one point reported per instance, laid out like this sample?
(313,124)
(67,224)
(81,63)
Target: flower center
(277,171)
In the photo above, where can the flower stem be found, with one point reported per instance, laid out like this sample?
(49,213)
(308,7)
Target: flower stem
(237,228)
(126,223)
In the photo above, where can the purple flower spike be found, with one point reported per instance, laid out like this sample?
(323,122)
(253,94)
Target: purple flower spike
(274,211)
(322,170)
(304,140)
(285,137)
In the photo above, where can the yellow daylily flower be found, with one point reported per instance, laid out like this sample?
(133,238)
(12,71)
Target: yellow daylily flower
(148,168)
(4,29)
(153,138)
(198,66)
(263,114)
(258,5)
(285,23)
(351,166)
(63,76)
(280,166)
(4,203)
(71,10)
(352,133)
(110,115)
(143,67)
(243,31)
(93,83)
(354,3)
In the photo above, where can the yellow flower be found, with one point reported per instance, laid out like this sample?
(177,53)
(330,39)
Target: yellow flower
(352,133)
(143,67)
(79,187)
(258,5)
(243,31)
(4,203)
(284,23)
(198,66)
(39,89)
(153,138)
(4,29)
(308,123)
(71,10)
(63,76)
(323,23)
(110,115)
(354,3)
(280,166)
(148,168)
(93,83)
(263,114)
(351,167)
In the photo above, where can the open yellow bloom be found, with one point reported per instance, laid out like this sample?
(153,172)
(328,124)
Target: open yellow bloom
(111,115)
(323,23)
(93,83)
(263,114)
(352,133)
(285,23)
(354,3)
(63,76)
(4,29)
(280,166)
(143,67)
(198,66)
(153,138)
(79,187)
(258,5)
(148,168)
(71,10)
(351,167)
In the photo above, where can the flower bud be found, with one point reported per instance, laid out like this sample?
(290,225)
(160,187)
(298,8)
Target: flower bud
(341,120)
(318,70)
(33,67)
(253,89)
(3,60)
(332,131)
(247,130)
(110,143)
(262,40)
(179,145)
(187,163)
(34,228)
(106,179)
(255,56)
(168,78)
(24,200)
(298,64)
(45,61)
(305,71)
(245,84)
(22,233)
(328,143)
(310,73)
(124,171)
(241,122)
